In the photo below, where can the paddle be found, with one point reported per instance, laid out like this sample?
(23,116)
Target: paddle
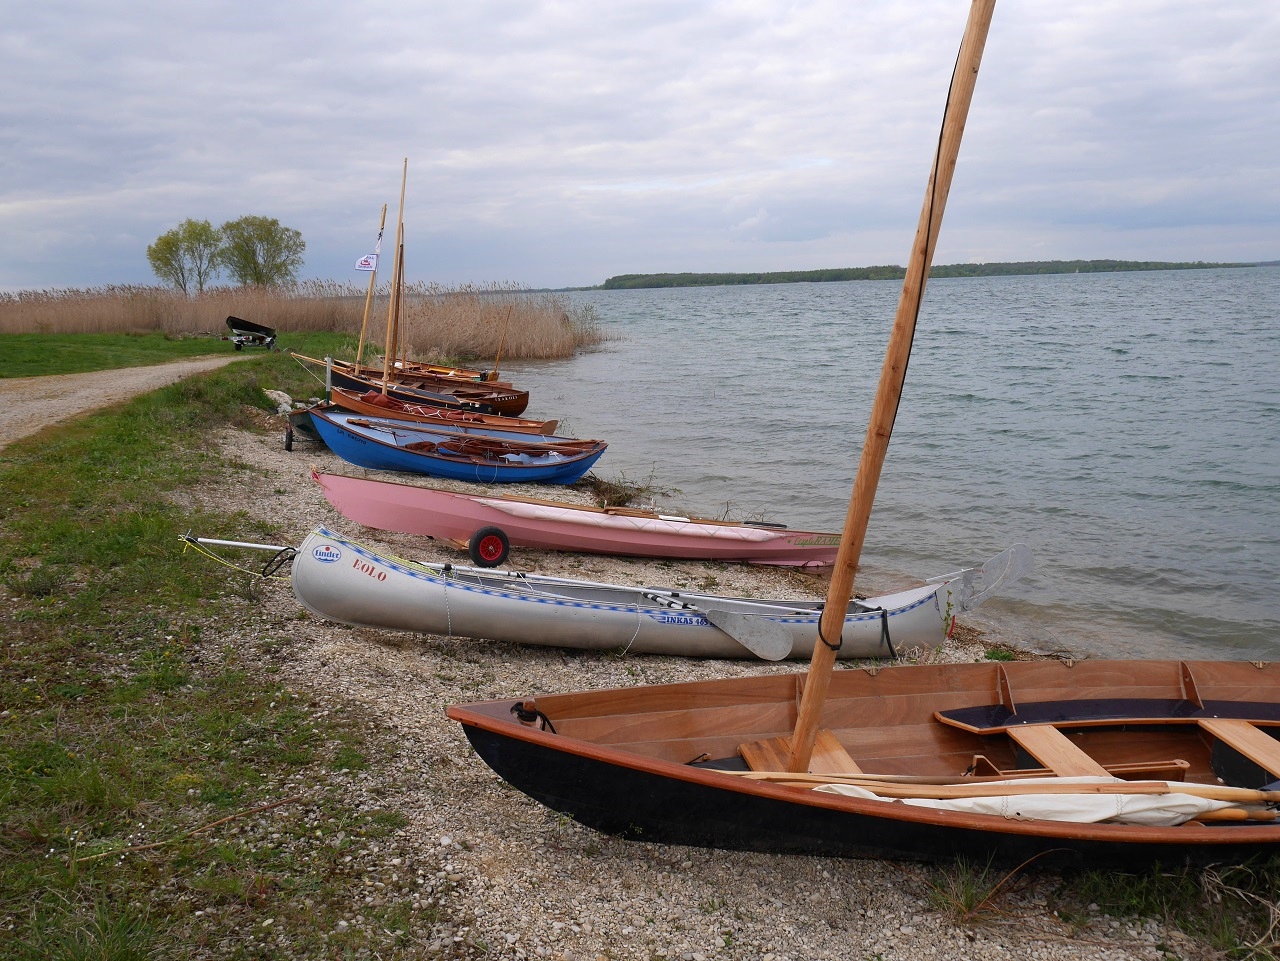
(764,639)
(1005,568)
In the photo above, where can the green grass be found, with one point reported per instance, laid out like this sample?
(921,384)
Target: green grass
(138,705)
(37,355)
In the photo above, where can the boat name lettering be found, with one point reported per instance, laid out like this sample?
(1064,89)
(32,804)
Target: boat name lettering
(678,619)
(327,554)
(367,568)
(818,540)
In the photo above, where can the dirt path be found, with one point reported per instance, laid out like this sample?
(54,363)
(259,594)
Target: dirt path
(30,404)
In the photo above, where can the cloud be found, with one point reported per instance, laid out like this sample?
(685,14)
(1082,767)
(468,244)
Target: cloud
(556,143)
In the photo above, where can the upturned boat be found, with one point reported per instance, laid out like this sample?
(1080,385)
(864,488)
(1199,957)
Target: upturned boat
(343,580)
(490,524)
(459,452)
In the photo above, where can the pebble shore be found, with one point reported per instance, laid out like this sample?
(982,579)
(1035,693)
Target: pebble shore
(484,871)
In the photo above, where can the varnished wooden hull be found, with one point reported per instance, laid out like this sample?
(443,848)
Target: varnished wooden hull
(626,762)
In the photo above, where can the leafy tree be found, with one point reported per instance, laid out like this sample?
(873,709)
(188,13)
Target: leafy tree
(186,255)
(257,251)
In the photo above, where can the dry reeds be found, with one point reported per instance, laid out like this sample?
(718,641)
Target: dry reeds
(474,323)
(437,323)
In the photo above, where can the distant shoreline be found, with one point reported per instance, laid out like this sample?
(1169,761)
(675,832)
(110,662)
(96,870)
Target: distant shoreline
(894,272)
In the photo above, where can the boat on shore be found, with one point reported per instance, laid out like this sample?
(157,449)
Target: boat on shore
(1107,762)
(340,579)
(490,397)
(459,452)
(377,404)
(489,524)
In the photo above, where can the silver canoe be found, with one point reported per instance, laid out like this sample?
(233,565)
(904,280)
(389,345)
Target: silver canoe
(341,580)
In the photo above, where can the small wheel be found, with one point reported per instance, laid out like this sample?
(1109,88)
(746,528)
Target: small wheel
(288,438)
(239,346)
(489,546)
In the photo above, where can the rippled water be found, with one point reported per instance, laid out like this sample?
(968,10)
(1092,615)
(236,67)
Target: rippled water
(1125,426)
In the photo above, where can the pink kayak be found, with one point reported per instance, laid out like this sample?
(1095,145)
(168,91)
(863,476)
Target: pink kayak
(489,524)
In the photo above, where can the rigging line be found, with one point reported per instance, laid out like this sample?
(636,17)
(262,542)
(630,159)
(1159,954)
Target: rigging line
(190,542)
(928,231)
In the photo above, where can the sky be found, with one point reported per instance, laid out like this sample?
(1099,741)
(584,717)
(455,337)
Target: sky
(558,143)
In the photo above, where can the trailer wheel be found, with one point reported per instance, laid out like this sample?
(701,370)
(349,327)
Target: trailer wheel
(489,546)
(288,438)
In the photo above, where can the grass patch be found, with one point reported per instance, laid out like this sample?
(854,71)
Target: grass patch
(162,794)
(34,355)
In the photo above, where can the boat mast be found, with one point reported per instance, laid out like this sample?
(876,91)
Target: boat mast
(368,296)
(390,346)
(885,408)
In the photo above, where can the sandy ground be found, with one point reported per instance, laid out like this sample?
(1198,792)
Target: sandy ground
(30,404)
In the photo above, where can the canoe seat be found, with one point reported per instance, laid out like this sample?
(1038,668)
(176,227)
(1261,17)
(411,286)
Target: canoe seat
(771,754)
(1054,750)
(1254,744)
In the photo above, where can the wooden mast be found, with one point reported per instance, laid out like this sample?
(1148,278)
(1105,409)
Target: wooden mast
(390,345)
(368,296)
(892,375)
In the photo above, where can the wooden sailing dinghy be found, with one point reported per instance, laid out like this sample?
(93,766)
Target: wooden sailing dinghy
(342,580)
(490,523)
(377,404)
(925,761)
(673,764)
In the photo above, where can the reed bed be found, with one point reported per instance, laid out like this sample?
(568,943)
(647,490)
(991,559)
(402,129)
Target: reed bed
(437,323)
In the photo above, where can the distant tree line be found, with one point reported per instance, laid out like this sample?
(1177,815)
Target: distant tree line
(254,251)
(894,272)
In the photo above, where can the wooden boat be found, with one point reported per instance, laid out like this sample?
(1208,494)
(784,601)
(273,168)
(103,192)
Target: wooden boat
(377,404)
(490,523)
(460,452)
(914,761)
(497,397)
(342,580)
(674,764)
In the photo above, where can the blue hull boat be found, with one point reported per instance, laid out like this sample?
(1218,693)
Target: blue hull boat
(483,455)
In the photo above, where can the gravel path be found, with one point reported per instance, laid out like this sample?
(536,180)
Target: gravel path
(30,404)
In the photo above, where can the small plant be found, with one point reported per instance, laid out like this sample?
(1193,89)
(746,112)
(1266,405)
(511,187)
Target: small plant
(967,892)
(622,492)
(999,654)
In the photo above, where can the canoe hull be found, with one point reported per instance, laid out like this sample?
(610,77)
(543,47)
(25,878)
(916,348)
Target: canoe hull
(341,580)
(636,762)
(407,509)
(366,449)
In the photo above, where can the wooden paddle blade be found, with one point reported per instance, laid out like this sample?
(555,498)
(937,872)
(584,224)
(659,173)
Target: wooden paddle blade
(764,639)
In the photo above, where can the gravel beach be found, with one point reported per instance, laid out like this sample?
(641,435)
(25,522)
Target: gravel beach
(515,880)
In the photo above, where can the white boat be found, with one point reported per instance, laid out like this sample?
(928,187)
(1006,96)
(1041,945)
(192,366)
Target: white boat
(341,580)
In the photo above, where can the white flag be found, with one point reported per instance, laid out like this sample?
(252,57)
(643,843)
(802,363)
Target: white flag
(367,262)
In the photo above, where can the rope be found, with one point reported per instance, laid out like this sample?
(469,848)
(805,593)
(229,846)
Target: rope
(268,572)
(528,717)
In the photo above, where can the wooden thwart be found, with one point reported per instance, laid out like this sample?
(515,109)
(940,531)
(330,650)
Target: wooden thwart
(771,754)
(1247,739)
(1054,750)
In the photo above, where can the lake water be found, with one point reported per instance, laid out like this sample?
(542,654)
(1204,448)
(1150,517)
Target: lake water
(1125,426)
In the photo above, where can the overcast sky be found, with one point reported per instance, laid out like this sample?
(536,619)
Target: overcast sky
(558,143)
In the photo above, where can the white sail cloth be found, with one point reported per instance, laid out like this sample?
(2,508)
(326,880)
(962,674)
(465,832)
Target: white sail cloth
(1157,810)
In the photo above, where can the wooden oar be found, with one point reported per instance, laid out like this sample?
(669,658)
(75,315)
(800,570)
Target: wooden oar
(889,391)
(897,789)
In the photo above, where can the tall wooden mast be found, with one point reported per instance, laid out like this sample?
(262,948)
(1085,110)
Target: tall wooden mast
(885,408)
(396,280)
(368,296)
